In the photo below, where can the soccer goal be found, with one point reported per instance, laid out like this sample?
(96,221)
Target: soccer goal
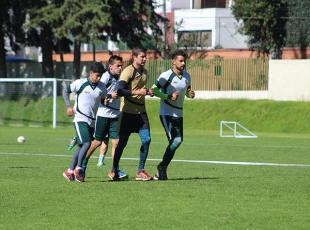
(24,100)
(234,129)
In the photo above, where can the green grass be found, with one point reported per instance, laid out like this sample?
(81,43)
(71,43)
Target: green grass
(258,116)
(211,194)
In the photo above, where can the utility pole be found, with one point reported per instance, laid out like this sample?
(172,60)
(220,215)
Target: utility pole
(164,29)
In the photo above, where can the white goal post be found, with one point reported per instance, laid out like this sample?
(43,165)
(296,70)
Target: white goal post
(48,93)
(235,130)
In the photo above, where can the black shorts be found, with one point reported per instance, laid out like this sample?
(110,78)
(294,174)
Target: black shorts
(173,126)
(132,123)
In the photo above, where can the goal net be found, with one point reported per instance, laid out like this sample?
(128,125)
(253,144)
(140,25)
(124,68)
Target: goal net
(234,129)
(33,101)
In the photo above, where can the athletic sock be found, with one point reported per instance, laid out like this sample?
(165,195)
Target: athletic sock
(101,159)
(85,161)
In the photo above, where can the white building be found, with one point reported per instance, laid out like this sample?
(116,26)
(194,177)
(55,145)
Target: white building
(218,23)
(211,17)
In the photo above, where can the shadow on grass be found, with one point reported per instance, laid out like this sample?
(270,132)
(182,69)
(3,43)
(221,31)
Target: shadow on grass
(10,121)
(20,167)
(196,178)
(174,179)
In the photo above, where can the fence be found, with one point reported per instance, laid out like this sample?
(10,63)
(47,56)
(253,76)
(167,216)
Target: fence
(220,74)
(216,74)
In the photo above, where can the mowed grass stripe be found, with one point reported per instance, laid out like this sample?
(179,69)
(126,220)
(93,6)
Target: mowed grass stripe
(185,161)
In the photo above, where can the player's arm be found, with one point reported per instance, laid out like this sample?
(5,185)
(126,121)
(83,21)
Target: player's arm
(190,93)
(158,93)
(123,89)
(65,94)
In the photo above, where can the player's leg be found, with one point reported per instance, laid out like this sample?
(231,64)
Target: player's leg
(69,173)
(103,151)
(72,143)
(85,135)
(123,139)
(82,132)
(99,134)
(114,141)
(125,128)
(174,130)
(144,133)
(94,145)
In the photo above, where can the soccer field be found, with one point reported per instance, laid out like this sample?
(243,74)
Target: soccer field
(214,183)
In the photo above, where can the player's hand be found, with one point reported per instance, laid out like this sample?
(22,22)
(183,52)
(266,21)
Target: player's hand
(143,91)
(191,93)
(114,94)
(151,92)
(173,96)
(70,111)
(106,101)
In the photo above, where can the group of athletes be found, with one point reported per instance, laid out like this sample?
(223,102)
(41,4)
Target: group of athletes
(111,105)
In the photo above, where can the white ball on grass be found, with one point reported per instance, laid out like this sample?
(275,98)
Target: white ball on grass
(21,139)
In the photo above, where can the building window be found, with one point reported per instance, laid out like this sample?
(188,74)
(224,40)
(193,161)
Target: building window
(213,3)
(192,39)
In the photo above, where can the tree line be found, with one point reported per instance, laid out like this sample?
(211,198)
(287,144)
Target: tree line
(55,25)
(272,25)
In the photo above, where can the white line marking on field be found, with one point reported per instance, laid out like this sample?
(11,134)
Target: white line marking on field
(187,161)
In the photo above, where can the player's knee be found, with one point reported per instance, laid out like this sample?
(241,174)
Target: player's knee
(122,143)
(146,140)
(145,137)
(96,143)
(176,142)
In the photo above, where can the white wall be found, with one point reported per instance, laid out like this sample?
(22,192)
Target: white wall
(219,20)
(289,80)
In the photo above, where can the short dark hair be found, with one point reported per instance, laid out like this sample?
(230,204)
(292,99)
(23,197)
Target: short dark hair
(97,67)
(136,50)
(178,53)
(114,58)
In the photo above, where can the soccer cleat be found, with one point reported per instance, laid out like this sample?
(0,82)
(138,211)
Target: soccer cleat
(162,173)
(69,176)
(143,176)
(101,164)
(72,143)
(114,176)
(79,175)
(122,174)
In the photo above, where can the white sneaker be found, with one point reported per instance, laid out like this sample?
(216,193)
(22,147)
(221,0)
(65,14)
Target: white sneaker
(101,164)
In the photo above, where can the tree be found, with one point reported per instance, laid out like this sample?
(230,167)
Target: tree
(12,17)
(263,21)
(91,21)
(41,34)
(130,21)
(298,25)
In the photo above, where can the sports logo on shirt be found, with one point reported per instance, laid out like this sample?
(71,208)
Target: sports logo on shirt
(138,76)
(100,93)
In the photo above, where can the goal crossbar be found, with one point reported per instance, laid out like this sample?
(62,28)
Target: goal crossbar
(233,126)
(54,80)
